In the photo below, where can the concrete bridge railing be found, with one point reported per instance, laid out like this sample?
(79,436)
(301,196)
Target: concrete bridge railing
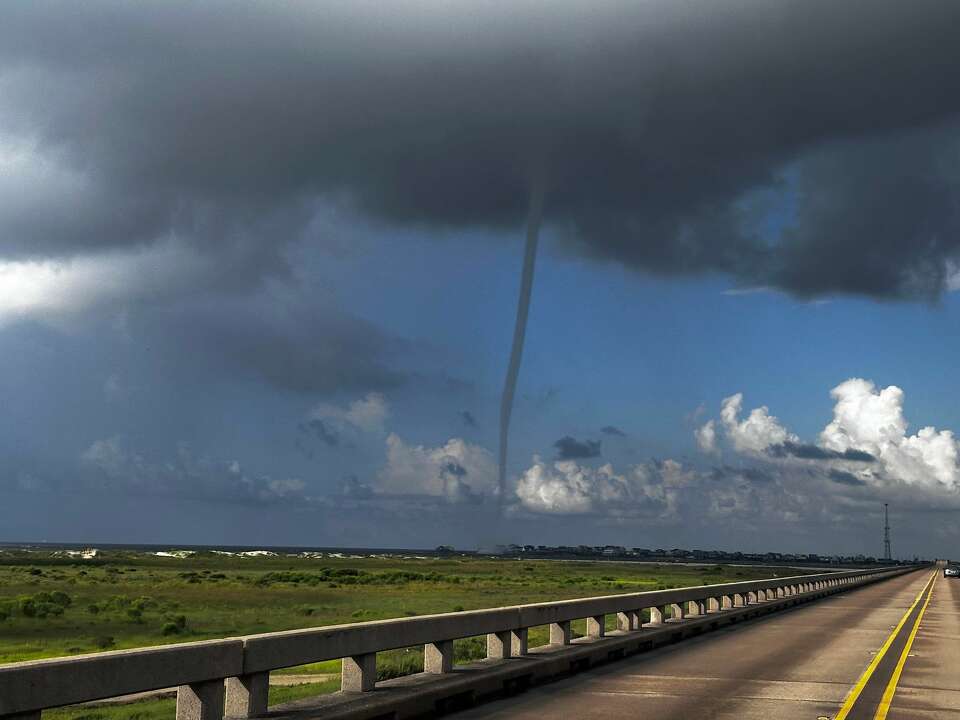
(231,677)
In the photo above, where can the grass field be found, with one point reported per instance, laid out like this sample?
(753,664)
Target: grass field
(53,605)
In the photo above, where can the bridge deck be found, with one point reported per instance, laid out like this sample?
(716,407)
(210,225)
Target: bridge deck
(798,664)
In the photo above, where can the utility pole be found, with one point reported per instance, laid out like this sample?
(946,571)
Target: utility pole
(886,533)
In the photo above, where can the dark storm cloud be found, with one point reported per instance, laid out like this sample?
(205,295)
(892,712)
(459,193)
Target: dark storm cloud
(845,478)
(352,487)
(815,452)
(329,436)
(452,469)
(569,448)
(654,126)
(750,474)
(611,430)
(299,347)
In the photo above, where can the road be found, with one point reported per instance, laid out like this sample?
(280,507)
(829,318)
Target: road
(889,651)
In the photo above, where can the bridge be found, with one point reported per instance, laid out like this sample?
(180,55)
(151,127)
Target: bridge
(855,644)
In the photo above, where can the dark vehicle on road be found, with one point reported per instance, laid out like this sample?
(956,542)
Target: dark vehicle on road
(951,571)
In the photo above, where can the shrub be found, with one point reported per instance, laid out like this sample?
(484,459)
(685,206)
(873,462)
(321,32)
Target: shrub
(3,614)
(93,609)
(170,629)
(143,603)
(474,648)
(28,607)
(58,598)
(178,621)
(47,608)
(103,641)
(117,602)
(401,663)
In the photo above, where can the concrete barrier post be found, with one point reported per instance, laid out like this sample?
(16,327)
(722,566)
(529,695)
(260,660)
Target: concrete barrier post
(247,695)
(438,657)
(676,611)
(560,633)
(713,605)
(656,616)
(498,645)
(596,626)
(359,673)
(726,602)
(626,621)
(200,701)
(518,642)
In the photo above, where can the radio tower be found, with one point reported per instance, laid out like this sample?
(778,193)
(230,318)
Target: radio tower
(886,533)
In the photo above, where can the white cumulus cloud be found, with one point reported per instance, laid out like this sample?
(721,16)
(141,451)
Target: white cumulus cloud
(368,413)
(568,487)
(866,442)
(458,471)
(706,437)
(759,431)
(872,420)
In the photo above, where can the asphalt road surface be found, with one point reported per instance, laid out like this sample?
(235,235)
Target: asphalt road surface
(886,651)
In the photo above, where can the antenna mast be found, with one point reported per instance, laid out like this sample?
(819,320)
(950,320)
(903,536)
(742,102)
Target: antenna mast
(886,533)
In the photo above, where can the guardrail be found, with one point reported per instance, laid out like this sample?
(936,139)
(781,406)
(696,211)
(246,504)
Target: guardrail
(231,677)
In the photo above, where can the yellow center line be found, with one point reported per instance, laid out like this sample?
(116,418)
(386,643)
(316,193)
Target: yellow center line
(884,707)
(855,691)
